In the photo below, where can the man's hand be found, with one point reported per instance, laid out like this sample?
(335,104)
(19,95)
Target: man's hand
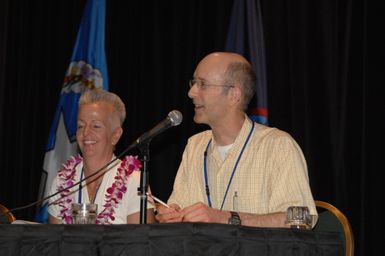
(169,215)
(200,212)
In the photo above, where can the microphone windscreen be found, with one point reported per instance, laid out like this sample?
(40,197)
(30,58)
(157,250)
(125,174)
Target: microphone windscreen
(175,117)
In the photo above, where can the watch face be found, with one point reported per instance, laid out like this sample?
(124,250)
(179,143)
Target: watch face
(234,219)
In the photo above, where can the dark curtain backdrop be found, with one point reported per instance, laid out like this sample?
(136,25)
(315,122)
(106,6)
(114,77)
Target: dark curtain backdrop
(325,63)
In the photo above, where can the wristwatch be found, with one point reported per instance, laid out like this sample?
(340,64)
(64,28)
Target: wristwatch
(234,219)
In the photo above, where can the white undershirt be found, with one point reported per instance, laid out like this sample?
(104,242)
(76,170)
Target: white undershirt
(223,150)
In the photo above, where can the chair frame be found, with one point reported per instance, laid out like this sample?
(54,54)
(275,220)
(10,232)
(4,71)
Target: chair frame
(348,232)
(8,215)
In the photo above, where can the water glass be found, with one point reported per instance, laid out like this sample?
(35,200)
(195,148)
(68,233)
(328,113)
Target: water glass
(84,213)
(299,217)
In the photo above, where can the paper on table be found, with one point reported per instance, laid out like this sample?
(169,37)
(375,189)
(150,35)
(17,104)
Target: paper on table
(24,222)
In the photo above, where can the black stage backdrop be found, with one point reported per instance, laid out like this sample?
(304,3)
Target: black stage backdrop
(325,63)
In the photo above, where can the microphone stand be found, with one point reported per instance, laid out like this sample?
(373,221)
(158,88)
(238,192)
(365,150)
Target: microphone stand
(144,149)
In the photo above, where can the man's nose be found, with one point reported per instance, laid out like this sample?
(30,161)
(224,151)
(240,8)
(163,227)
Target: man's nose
(193,91)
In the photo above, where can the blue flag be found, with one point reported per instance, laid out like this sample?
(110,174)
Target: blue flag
(88,69)
(245,36)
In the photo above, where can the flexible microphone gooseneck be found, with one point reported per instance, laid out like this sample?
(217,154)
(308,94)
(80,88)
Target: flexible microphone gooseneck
(174,118)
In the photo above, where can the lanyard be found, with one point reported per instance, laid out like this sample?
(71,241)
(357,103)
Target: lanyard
(81,188)
(232,174)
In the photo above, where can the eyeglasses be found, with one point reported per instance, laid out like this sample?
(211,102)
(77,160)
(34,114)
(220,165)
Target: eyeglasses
(202,85)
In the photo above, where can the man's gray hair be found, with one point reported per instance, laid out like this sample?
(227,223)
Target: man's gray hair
(243,73)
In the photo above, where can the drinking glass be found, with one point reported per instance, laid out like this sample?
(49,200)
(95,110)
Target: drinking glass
(84,213)
(299,217)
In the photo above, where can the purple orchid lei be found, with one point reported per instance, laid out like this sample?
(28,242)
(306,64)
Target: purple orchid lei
(114,193)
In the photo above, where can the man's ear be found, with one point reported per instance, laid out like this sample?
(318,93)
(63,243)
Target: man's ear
(116,135)
(235,94)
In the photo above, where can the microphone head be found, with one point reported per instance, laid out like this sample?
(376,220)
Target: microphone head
(175,117)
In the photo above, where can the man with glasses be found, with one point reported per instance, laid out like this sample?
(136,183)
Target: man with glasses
(239,172)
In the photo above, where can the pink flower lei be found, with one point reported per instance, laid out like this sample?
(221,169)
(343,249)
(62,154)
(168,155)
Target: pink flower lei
(114,193)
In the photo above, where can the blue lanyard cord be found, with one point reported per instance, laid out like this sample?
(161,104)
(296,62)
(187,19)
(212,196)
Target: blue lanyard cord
(205,172)
(81,188)
(232,174)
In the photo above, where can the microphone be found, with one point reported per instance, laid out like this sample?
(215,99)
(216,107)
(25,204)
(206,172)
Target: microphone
(173,118)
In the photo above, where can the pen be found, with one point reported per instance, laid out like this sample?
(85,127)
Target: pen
(158,200)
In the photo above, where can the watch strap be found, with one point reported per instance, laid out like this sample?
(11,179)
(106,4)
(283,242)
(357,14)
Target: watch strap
(234,218)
